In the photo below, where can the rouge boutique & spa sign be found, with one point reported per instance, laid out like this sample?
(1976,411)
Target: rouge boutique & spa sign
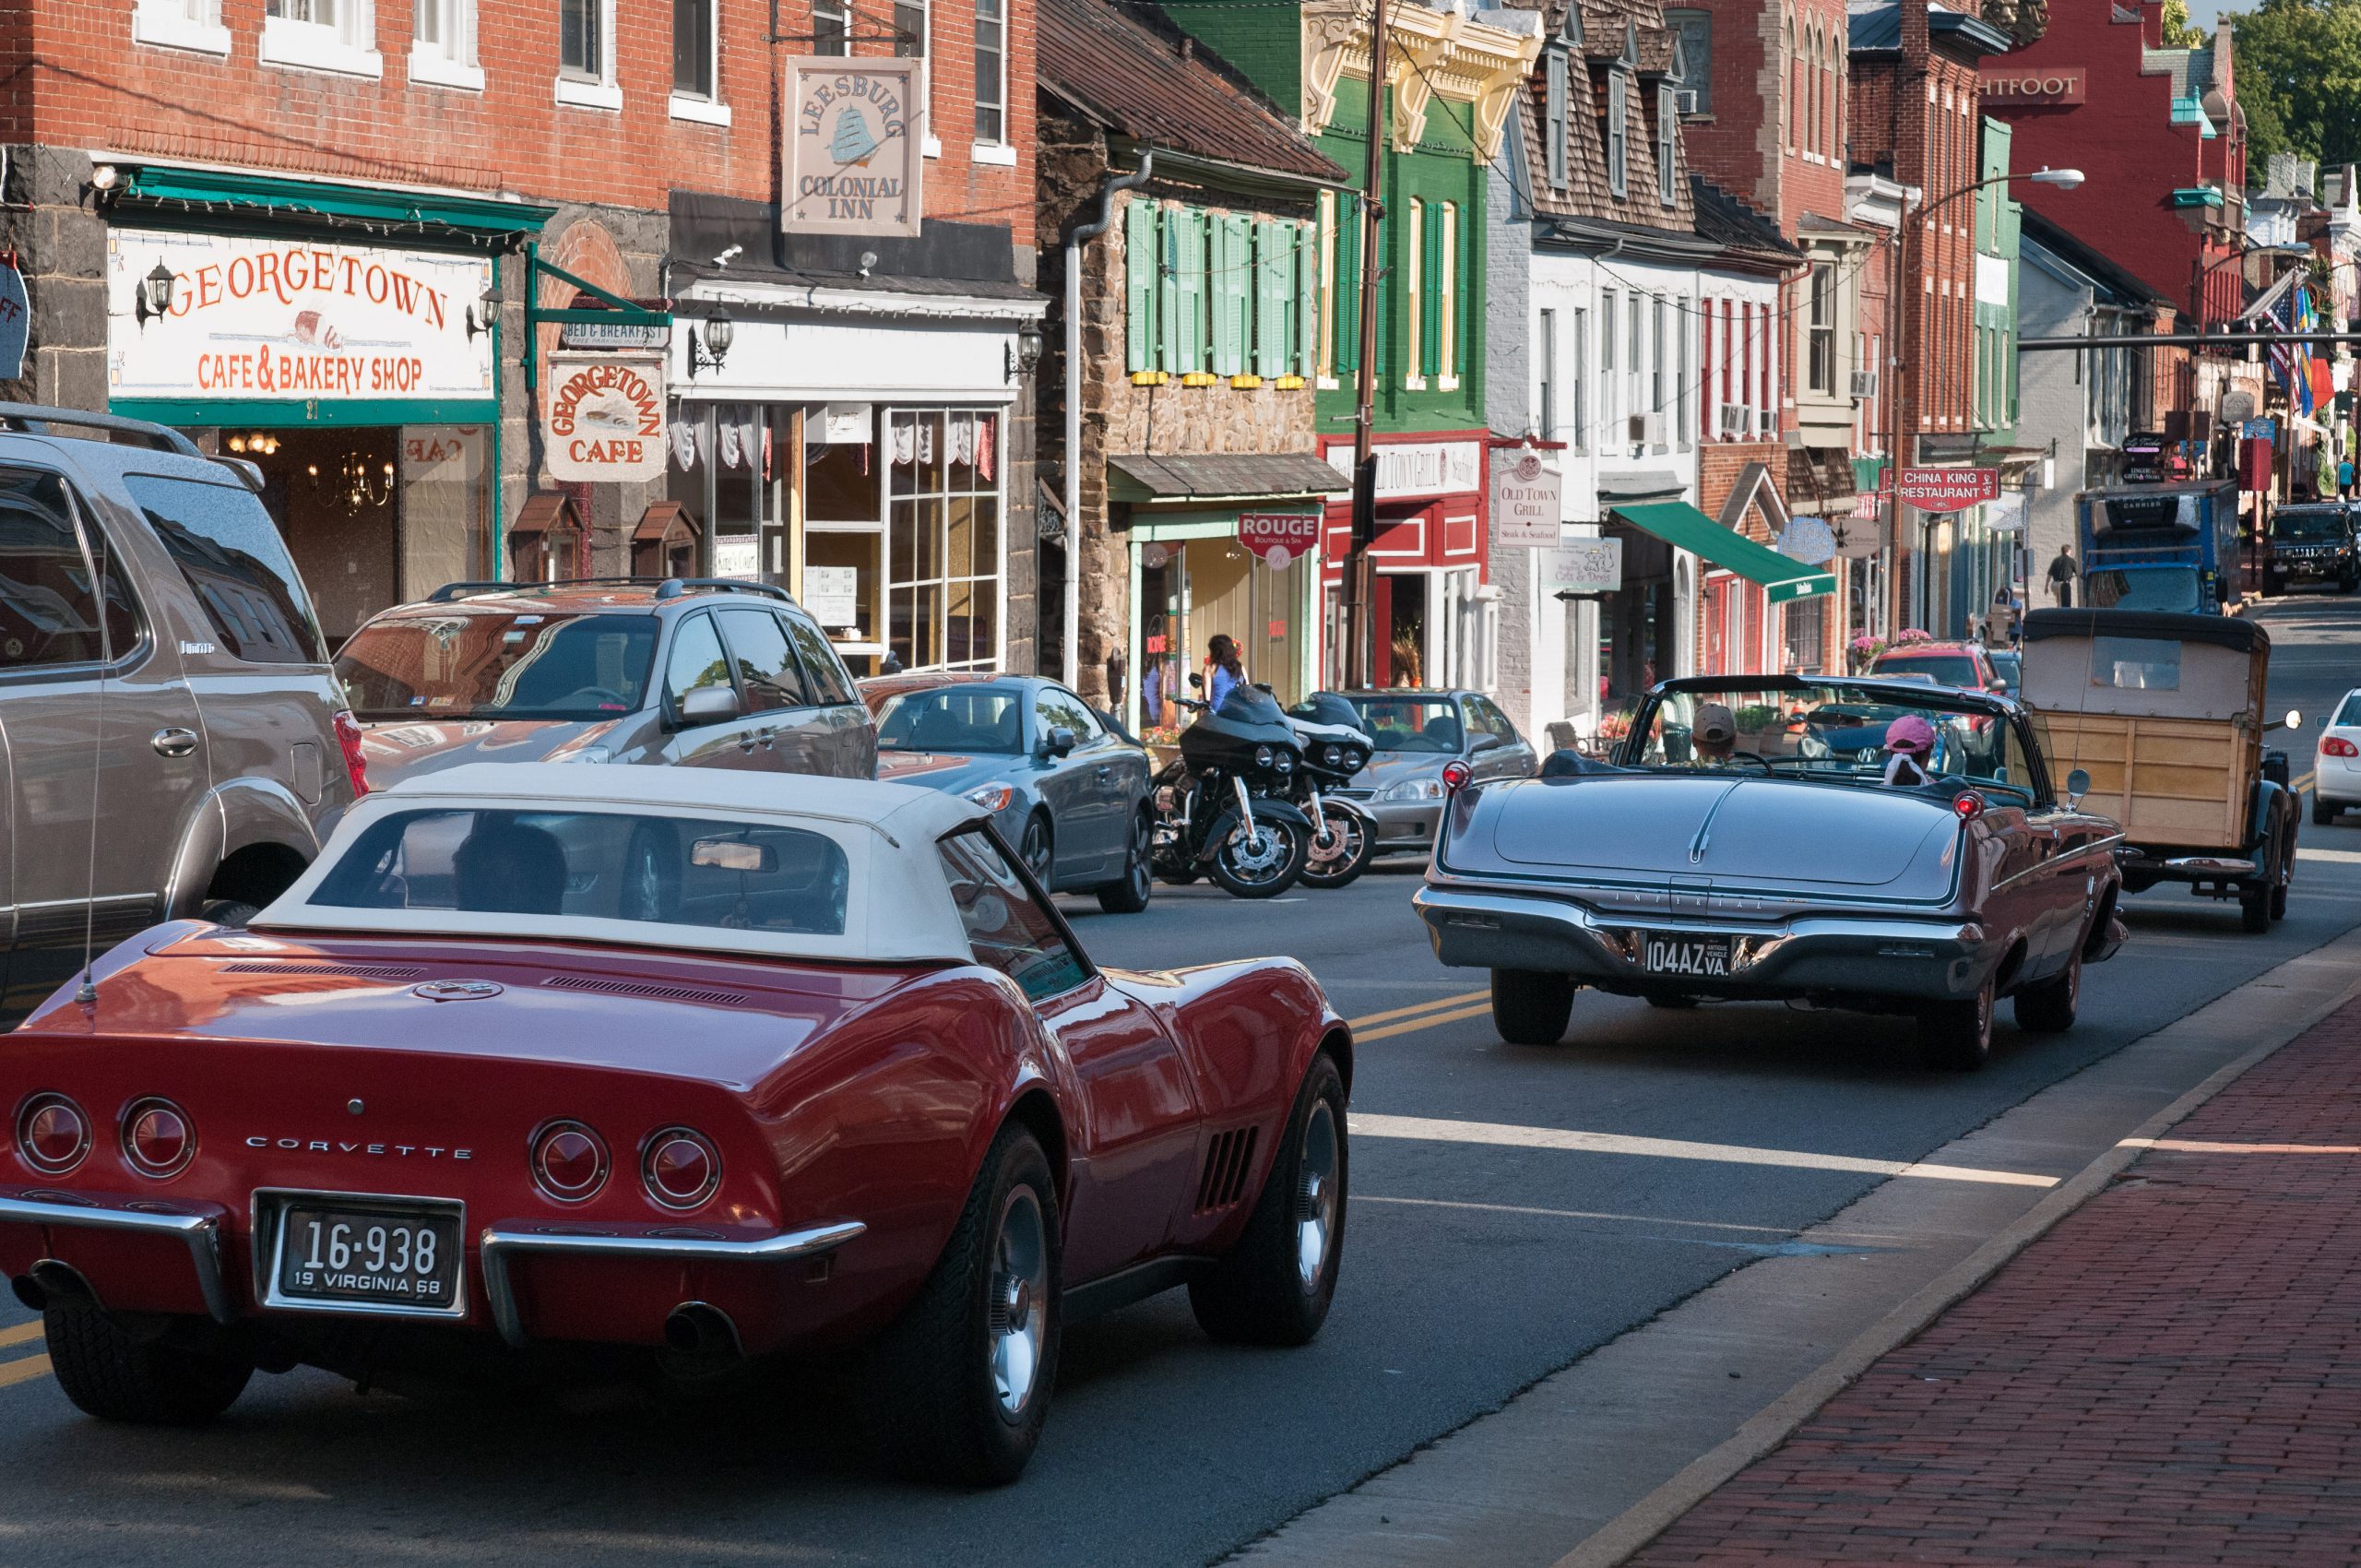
(271,320)
(603,418)
(852,153)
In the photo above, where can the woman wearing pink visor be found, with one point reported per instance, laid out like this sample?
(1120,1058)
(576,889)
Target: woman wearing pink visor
(1909,741)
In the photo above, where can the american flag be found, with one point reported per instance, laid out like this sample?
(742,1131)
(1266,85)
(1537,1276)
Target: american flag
(2282,354)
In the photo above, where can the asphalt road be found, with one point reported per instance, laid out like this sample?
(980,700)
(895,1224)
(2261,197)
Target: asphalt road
(1472,1269)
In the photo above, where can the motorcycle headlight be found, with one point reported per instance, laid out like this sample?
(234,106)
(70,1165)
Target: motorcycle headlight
(1285,761)
(1262,756)
(1334,757)
(991,797)
(1355,758)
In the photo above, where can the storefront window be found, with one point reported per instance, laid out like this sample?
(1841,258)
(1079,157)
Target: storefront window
(944,538)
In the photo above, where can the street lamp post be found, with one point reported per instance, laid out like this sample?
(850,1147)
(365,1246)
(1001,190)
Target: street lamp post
(2057,179)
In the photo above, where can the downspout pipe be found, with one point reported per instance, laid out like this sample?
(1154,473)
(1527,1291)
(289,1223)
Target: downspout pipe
(1070,650)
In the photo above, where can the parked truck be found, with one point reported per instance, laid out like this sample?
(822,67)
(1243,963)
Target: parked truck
(2171,548)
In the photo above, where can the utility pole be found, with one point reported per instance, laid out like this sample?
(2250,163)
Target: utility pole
(1360,670)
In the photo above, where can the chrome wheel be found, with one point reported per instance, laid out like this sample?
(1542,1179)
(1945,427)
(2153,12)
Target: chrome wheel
(1315,1196)
(1339,843)
(1037,852)
(1252,861)
(1019,1301)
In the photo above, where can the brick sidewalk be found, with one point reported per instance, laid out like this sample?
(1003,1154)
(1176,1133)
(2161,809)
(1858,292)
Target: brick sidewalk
(2171,1375)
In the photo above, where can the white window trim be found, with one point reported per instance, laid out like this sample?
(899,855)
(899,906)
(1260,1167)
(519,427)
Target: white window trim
(605,92)
(932,147)
(429,67)
(320,46)
(703,111)
(169,26)
(1000,154)
(1007,110)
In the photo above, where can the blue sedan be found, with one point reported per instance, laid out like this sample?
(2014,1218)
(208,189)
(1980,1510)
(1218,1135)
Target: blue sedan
(1068,792)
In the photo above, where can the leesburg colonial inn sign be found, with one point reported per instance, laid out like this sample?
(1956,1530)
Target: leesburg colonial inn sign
(853,146)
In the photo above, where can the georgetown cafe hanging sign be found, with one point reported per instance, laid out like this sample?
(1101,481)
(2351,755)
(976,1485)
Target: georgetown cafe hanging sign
(854,135)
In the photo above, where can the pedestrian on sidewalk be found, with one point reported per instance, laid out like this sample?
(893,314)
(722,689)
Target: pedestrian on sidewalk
(2345,478)
(1224,671)
(2061,578)
(1999,622)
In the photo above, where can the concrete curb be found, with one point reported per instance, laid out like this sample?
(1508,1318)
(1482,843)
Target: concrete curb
(1657,1511)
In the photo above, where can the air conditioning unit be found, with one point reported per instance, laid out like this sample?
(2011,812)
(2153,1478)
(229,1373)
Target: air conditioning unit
(1864,385)
(1647,430)
(1734,421)
(1686,102)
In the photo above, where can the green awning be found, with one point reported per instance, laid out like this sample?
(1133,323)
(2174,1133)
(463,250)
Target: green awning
(187,190)
(1684,527)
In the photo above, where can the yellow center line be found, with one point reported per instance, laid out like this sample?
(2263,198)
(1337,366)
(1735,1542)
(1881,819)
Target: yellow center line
(1462,1000)
(20,1333)
(32,1367)
(1459,1015)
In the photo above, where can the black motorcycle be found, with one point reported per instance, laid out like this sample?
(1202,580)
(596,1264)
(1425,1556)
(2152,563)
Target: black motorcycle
(1223,809)
(1343,833)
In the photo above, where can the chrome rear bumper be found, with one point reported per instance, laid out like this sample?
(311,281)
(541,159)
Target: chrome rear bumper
(200,1232)
(1861,956)
(498,1246)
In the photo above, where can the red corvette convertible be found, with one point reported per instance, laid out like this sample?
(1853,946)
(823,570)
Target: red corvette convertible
(533,1073)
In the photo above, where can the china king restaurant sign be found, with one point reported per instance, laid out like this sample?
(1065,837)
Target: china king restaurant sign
(261,320)
(1949,490)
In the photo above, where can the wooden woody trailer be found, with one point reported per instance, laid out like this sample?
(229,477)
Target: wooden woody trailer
(2164,713)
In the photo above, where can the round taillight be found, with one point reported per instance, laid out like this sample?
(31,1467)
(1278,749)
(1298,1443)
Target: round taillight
(569,1161)
(53,1135)
(1968,803)
(1455,776)
(681,1167)
(159,1139)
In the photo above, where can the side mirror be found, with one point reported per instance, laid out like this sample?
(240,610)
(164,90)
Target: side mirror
(709,705)
(1060,741)
(1999,686)
(1196,682)
(2292,719)
(2078,784)
(1484,742)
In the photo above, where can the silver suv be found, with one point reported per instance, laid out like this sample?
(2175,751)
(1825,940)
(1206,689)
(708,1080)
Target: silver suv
(702,673)
(184,752)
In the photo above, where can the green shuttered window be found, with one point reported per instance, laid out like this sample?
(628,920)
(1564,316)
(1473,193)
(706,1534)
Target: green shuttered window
(1187,250)
(1307,300)
(1142,348)
(1347,296)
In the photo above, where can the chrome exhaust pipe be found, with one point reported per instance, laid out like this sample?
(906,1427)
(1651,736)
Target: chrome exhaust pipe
(52,1284)
(703,1331)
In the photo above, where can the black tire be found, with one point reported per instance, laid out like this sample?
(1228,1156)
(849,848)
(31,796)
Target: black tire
(935,1405)
(1530,1007)
(2286,875)
(2254,908)
(1038,847)
(116,1376)
(1129,894)
(2049,1007)
(1260,1293)
(229,911)
(1671,1001)
(1293,849)
(1958,1035)
(1357,846)
(2323,812)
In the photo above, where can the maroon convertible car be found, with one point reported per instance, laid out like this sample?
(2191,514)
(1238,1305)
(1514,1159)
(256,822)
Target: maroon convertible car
(531,1073)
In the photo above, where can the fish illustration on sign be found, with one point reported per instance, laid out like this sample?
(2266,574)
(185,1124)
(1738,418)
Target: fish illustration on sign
(852,144)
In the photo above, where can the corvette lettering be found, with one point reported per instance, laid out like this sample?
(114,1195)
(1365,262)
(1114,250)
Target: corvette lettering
(335,1146)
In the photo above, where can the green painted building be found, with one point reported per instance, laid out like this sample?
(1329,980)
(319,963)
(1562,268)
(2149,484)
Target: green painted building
(1441,130)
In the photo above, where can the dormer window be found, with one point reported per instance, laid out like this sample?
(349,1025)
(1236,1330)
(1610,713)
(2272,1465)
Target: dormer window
(1631,46)
(1619,129)
(1571,31)
(1667,145)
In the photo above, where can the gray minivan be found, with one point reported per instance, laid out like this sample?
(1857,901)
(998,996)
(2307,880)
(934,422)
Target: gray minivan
(182,753)
(707,672)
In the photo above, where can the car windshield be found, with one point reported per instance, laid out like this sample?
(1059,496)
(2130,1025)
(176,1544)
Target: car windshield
(1410,724)
(2308,526)
(1944,669)
(1835,731)
(953,719)
(2009,667)
(595,865)
(551,665)
(2170,589)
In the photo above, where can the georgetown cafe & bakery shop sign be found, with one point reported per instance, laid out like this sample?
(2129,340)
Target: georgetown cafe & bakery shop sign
(277,321)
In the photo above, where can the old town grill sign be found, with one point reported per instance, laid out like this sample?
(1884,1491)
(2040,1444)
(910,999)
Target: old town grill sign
(603,418)
(279,320)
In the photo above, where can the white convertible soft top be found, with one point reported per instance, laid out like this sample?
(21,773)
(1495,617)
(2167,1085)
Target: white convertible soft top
(899,906)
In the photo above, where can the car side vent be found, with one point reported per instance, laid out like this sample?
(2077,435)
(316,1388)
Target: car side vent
(644,992)
(1227,1164)
(347,971)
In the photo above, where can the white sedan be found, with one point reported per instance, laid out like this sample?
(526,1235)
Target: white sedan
(2337,785)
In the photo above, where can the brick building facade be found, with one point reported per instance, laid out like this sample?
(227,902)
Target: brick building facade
(430,146)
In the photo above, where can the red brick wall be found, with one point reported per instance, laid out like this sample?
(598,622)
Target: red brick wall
(2123,139)
(84,83)
(1756,143)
